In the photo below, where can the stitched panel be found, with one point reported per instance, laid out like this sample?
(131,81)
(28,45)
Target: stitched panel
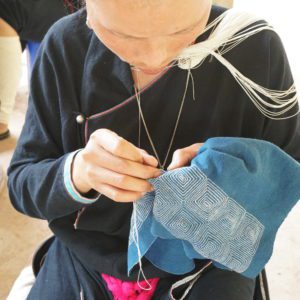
(194,209)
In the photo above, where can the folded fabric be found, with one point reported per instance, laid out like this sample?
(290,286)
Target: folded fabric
(226,206)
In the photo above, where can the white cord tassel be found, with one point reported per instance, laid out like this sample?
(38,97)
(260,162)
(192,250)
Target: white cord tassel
(229,30)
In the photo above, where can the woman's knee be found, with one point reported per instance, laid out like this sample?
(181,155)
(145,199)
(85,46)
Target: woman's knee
(223,285)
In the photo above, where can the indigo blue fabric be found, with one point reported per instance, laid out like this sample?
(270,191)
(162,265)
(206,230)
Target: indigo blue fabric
(226,206)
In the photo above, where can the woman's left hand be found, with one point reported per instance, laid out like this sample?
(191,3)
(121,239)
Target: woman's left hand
(182,157)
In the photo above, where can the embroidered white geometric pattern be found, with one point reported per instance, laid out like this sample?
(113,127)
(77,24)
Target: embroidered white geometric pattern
(194,209)
(143,208)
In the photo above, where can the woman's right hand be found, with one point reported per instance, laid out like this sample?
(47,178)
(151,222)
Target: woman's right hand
(113,167)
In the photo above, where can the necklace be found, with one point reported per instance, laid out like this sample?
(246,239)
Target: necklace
(141,116)
(161,165)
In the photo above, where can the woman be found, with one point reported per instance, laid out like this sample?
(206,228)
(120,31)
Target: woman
(84,92)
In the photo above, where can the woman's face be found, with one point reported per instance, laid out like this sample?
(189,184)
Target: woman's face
(148,34)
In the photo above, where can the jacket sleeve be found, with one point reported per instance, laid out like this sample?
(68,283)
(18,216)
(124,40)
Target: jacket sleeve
(39,173)
(284,133)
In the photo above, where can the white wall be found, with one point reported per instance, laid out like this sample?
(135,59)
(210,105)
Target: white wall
(283,270)
(284,16)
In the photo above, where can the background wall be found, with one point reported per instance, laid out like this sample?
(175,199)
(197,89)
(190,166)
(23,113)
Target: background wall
(284,17)
(284,267)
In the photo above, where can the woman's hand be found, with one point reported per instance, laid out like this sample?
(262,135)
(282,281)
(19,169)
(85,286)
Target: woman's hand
(113,167)
(182,157)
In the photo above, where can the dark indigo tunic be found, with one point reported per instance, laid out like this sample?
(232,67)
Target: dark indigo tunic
(76,74)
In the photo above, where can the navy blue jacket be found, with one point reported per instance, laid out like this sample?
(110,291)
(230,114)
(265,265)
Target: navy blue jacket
(76,74)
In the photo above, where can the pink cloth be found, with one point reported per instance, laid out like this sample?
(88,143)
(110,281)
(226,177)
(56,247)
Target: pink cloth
(127,290)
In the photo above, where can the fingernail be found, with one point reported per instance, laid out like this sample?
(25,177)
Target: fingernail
(149,155)
(158,173)
(153,159)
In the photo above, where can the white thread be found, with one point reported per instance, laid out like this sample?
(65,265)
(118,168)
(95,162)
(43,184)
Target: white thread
(233,29)
(262,287)
(193,278)
(193,84)
(81,294)
(194,209)
(141,115)
(229,30)
(87,22)
(136,241)
(251,89)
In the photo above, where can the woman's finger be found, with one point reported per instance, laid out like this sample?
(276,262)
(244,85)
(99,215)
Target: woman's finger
(116,145)
(101,158)
(119,195)
(149,159)
(182,157)
(100,176)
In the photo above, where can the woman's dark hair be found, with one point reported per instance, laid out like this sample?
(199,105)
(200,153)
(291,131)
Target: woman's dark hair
(74,5)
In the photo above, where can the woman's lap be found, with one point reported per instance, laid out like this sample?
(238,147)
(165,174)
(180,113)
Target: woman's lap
(223,285)
(62,276)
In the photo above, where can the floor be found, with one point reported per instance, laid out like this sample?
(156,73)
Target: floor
(20,235)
